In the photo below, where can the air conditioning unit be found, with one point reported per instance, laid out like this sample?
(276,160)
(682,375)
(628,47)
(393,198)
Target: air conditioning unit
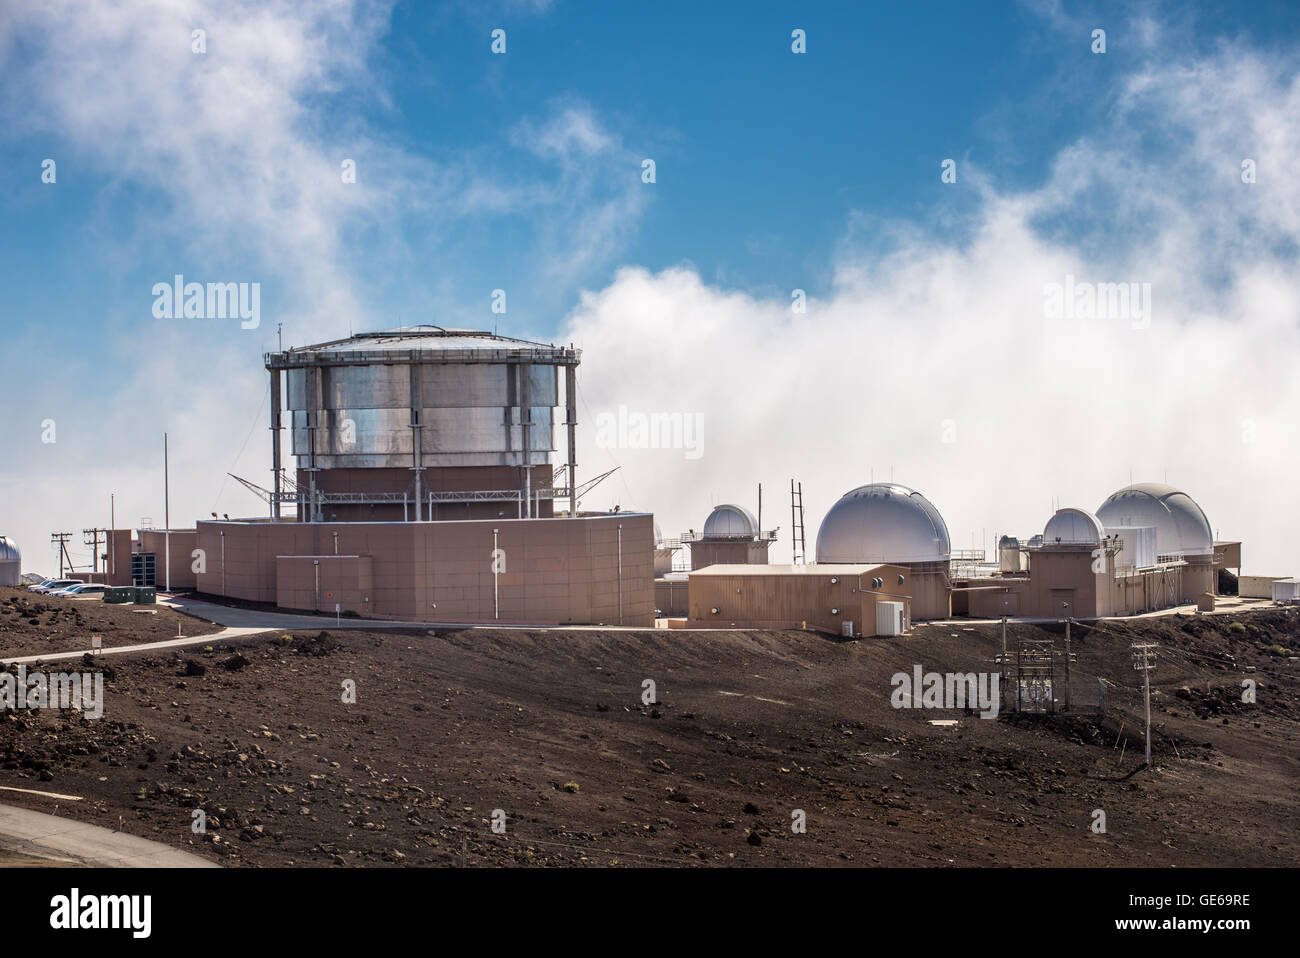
(846,628)
(889,618)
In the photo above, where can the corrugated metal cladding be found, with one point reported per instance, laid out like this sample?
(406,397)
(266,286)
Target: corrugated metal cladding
(1139,546)
(1286,590)
(473,392)
(890,618)
(472,415)
(823,597)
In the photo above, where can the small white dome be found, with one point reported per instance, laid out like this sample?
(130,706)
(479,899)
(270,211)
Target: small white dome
(1181,525)
(11,563)
(730,522)
(883,522)
(1073,527)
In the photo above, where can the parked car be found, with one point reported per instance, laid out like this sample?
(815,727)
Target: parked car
(83,591)
(54,585)
(37,586)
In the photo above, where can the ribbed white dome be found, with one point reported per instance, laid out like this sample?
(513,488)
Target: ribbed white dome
(1073,527)
(1181,525)
(730,521)
(883,522)
(11,563)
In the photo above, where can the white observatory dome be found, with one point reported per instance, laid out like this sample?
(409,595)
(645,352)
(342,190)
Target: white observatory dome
(883,522)
(1181,526)
(1073,527)
(730,522)
(11,563)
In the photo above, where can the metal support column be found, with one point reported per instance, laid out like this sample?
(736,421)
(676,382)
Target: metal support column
(526,421)
(313,401)
(417,441)
(571,422)
(275,441)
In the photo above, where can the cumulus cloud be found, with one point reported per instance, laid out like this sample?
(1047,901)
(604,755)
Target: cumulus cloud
(229,161)
(937,361)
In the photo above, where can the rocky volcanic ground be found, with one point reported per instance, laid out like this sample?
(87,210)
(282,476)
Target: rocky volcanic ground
(747,727)
(33,624)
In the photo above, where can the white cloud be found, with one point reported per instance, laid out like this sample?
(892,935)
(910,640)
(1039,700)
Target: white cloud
(934,333)
(237,155)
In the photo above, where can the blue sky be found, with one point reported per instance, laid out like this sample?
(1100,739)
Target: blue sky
(521,171)
(761,154)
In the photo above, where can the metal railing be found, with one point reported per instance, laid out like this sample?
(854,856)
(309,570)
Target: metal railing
(692,536)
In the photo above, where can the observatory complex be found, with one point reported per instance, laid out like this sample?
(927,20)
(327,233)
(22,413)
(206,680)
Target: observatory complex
(1147,547)
(423,489)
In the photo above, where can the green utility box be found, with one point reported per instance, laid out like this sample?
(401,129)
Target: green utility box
(146,595)
(119,594)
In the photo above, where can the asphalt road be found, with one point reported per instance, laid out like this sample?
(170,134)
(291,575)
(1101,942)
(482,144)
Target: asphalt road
(28,834)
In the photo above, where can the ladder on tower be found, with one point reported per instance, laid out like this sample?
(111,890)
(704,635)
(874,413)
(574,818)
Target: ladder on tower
(798,545)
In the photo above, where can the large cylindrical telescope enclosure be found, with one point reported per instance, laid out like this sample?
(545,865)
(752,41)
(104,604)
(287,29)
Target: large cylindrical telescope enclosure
(423,423)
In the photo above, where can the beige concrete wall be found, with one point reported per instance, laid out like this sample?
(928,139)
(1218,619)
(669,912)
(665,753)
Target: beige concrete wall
(1198,579)
(1062,576)
(672,597)
(1227,555)
(789,600)
(705,553)
(319,583)
(118,546)
(1257,586)
(557,571)
(930,589)
(183,544)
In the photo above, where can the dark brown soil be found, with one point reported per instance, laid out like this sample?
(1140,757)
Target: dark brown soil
(550,727)
(32,624)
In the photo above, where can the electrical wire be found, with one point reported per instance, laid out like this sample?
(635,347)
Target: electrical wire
(261,406)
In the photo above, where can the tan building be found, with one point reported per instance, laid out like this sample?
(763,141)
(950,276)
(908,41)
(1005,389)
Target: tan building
(836,598)
(1147,548)
(179,544)
(731,536)
(886,522)
(672,596)
(1257,586)
(589,569)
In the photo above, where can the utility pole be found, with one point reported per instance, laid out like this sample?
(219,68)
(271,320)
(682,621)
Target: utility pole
(1068,656)
(112,534)
(62,539)
(1144,660)
(90,537)
(167,520)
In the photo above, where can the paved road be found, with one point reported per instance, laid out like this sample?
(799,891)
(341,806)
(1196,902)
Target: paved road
(28,833)
(288,622)
(270,621)
(211,639)
(242,623)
